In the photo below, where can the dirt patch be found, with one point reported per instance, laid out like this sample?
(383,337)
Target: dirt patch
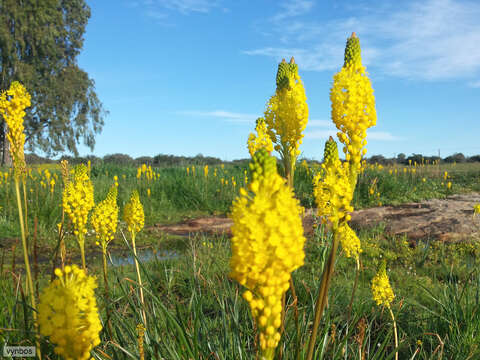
(448,219)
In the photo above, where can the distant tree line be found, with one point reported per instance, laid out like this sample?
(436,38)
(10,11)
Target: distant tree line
(200,160)
(402,159)
(126,160)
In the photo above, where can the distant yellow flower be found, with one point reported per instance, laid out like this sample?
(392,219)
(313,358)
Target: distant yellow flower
(133,213)
(381,289)
(205,170)
(449,185)
(78,199)
(68,314)
(267,245)
(105,217)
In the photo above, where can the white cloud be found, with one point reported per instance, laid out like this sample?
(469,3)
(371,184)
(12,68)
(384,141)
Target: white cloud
(427,40)
(475,84)
(371,135)
(223,115)
(381,135)
(159,9)
(292,8)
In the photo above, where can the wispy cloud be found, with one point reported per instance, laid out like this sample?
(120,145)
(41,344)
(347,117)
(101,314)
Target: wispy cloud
(427,40)
(292,8)
(222,114)
(161,9)
(371,135)
(475,84)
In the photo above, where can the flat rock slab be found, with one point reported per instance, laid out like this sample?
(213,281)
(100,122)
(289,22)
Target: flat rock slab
(449,219)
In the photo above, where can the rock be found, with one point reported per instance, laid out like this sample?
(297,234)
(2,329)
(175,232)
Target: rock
(448,219)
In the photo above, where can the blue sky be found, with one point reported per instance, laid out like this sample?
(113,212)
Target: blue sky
(185,77)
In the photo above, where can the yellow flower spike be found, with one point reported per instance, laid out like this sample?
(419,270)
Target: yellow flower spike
(381,290)
(261,140)
(68,314)
(105,217)
(77,202)
(353,103)
(286,116)
(134,216)
(332,188)
(349,241)
(133,213)
(13,103)
(267,245)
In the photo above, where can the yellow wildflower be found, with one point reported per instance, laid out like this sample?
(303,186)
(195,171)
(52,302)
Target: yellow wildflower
(333,191)
(68,314)
(381,289)
(267,245)
(78,199)
(353,103)
(133,213)
(261,140)
(105,217)
(13,103)
(349,241)
(286,115)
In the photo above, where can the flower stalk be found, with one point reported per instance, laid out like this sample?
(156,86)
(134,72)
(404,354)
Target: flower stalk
(13,103)
(134,216)
(353,111)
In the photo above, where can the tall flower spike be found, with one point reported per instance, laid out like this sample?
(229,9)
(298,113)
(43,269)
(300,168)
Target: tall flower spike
(267,245)
(68,314)
(286,115)
(353,104)
(78,199)
(105,217)
(133,213)
(13,103)
(381,289)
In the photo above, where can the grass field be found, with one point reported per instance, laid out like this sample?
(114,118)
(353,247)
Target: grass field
(195,311)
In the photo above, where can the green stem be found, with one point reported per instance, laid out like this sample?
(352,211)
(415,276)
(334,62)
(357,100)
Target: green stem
(139,280)
(81,244)
(323,293)
(30,289)
(394,332)
(26,207)
(107,293)
(355,285)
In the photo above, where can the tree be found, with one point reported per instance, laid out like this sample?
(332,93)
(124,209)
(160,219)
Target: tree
(39,44)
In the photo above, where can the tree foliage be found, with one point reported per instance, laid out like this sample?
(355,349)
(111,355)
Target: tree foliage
(39,45)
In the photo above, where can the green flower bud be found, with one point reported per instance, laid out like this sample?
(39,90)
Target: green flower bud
(330,154)
(352,51)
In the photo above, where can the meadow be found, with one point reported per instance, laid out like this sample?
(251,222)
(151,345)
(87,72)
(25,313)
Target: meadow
(195,311)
